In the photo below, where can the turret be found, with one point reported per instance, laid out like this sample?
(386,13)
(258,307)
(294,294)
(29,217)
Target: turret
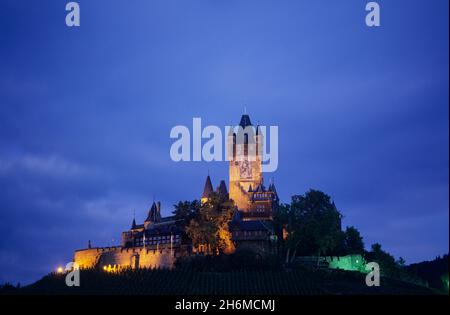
(222,190)
(154,214)
(207,190)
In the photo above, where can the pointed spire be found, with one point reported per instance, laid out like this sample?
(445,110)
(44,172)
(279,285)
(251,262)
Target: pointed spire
(222,189)
(208,189)
(133,224)
(151,213)
(245,121)
(250,188)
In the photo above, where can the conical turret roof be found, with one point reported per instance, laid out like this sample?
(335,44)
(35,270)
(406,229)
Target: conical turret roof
(208,189)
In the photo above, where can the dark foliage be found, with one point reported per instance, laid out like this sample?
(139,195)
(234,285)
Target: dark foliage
(312,223)
(352,241)
(240,260)
(434,272)
(186,280)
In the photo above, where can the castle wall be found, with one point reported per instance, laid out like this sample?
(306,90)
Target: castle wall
(86,258)
(124,257)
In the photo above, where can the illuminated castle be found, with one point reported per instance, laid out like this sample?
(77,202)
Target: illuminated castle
(158,241)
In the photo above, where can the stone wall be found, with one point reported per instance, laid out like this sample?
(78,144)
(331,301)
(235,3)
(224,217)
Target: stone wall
(119,257)
(86,258)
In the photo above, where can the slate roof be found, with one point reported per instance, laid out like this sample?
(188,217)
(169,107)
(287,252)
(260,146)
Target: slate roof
(245,121)
(222,189)
(163,229)
(154,214)
(207,191)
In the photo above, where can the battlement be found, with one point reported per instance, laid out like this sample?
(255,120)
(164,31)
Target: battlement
(121,257)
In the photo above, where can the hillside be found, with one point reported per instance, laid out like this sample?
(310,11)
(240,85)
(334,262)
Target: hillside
(435,272)
(187,281)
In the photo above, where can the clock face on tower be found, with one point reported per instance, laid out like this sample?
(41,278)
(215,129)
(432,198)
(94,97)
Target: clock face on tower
(245,169)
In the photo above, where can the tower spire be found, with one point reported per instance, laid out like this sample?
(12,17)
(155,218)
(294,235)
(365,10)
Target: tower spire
(208,189)
(133,224)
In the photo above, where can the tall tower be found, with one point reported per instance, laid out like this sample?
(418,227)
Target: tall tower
(244,145)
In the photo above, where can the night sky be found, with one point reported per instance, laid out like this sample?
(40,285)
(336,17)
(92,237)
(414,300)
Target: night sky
(86,113)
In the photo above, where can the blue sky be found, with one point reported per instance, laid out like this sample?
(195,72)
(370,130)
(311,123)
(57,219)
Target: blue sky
(85,115)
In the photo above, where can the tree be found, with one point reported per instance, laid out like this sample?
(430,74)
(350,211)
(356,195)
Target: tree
(185,211)
(386,261)
(210,226)
(312,223)
(353,242)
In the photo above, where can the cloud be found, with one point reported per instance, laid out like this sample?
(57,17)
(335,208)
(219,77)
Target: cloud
(53,165)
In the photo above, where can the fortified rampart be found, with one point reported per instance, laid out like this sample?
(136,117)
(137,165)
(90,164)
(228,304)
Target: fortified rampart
(119,257)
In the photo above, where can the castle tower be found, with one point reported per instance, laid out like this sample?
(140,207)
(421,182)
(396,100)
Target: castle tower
(244,145)
(207,190)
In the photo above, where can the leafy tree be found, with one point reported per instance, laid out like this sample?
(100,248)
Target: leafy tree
(312,223)
(353,241)
(210,226)
(185,211)
(387,263)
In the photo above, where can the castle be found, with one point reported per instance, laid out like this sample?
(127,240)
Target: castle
(158,241)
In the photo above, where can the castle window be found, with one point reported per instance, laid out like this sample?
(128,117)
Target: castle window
(245,144)
(234,145)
